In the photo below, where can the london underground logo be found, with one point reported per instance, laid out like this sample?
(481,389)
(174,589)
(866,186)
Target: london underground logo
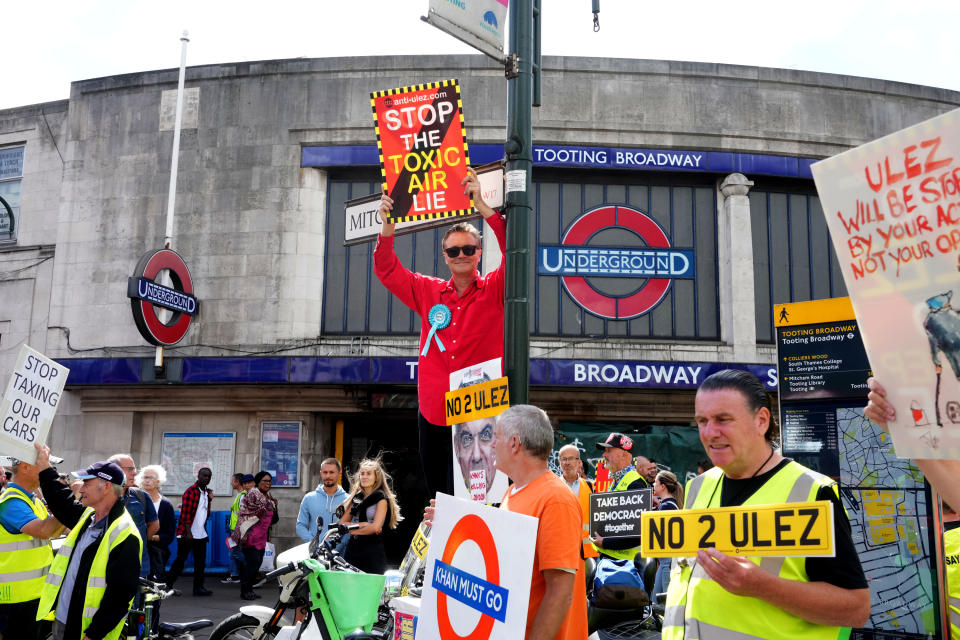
(483,595)
(147,297)
(575,260)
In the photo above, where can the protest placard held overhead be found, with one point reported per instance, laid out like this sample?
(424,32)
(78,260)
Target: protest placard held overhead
(30,403)
(893,210)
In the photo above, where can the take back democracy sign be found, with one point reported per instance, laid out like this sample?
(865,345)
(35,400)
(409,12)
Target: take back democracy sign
(30,403)
(617,514)
(893,210)
(423,150)
(477,578)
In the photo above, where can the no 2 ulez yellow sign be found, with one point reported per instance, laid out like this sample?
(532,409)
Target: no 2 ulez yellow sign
(477,401)
(795,529)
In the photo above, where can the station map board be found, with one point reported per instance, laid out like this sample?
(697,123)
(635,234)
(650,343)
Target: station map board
(185,453)
(823,369)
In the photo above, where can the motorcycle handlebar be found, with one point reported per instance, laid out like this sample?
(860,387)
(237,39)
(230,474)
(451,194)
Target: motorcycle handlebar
(282,571)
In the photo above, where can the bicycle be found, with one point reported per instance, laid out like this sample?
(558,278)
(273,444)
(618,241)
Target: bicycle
(143,620)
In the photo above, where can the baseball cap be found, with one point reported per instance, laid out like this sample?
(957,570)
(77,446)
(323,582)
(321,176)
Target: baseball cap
(616,441)
(107,470)
(247,477)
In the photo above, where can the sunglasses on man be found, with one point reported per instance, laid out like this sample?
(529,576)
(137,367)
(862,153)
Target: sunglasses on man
(468,250)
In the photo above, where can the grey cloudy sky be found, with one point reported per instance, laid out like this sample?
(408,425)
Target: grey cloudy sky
(50,44)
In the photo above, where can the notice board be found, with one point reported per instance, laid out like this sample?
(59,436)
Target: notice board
(823,369)
(185,453)
(280,452)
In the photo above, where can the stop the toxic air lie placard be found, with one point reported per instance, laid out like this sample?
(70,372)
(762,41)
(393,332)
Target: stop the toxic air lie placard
(422,142)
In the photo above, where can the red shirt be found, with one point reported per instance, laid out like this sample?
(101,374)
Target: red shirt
(475,331)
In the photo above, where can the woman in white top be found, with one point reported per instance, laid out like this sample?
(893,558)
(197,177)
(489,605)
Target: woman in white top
(150,479)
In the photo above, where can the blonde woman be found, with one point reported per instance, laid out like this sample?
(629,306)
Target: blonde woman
(372,504)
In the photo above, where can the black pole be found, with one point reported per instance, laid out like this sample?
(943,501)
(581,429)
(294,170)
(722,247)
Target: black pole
(519,152)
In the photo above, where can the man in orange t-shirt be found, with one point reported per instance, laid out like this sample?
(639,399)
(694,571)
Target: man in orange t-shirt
(558,598)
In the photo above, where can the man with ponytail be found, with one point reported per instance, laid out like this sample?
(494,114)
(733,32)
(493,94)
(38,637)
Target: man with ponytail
(719,596)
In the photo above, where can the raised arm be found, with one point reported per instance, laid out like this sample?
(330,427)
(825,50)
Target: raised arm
(943,475)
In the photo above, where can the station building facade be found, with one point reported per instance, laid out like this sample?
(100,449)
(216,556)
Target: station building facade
(706,166)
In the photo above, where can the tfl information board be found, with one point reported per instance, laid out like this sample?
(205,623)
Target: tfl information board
(823,370)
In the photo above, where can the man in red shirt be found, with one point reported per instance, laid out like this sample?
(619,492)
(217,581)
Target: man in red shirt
(461,322)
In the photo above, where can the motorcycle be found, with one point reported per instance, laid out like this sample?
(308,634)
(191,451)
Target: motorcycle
(642,623)
(322,596)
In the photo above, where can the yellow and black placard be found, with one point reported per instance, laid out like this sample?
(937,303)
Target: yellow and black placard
(794,529)
(477,401)
(420,544)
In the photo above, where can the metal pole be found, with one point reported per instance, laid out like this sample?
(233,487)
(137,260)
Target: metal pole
(519,151)
(174,160)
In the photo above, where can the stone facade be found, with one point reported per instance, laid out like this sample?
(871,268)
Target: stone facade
(251,222)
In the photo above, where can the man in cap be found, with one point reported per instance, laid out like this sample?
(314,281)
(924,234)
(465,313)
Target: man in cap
(139,505)
(25,551)
(95,574)
(618,451)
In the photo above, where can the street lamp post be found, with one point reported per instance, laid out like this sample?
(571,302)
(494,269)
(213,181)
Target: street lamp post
(522,71)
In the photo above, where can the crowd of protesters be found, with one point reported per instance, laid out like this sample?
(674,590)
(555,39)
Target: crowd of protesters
(119,526)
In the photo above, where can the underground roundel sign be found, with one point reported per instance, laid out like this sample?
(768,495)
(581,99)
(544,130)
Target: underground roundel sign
(581,260)
(478,572)
(149,298)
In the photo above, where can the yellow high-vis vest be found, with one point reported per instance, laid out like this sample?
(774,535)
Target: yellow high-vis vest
(24,560)
(583,495)
(235,510)
(951,549)
(118,531)
(623,554)
(697,607)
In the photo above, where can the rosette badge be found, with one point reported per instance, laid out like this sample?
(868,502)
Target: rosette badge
(439,318)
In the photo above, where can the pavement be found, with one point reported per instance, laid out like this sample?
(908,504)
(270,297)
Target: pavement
(224,602)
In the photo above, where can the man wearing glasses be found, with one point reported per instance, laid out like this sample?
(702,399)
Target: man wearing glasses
(463,314)
(139,505)
(570,465)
